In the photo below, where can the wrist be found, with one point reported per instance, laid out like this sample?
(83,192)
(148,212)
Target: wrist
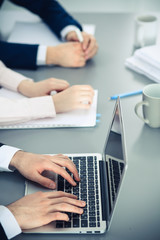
(57,104)
(16,159)
(70,35)
(51,55)
(25,87)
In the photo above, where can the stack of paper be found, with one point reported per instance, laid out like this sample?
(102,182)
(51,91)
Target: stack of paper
(146,61)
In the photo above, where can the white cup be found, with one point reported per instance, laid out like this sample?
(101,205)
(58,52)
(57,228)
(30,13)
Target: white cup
(145,30)
(151,105)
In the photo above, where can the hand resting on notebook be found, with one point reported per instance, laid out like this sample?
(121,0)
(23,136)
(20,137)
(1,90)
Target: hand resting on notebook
(67,99)
(40,103)
(41,88)
(75,97)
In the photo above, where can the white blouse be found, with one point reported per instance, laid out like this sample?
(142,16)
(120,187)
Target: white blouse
(17,111)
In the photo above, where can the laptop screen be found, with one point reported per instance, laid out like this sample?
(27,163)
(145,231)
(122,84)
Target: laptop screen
(113,145)
(114,156)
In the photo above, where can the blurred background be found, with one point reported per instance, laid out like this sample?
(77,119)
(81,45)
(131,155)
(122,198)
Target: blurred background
(104,5)
(73,6)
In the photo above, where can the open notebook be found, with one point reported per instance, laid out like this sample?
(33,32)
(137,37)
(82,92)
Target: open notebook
(76,118)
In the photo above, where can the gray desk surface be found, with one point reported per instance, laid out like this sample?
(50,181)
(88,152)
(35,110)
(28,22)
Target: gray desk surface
(137,214)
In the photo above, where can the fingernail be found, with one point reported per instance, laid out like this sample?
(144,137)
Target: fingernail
(81,210)
(78,178)
(74,183)
(83,203)
(52,185)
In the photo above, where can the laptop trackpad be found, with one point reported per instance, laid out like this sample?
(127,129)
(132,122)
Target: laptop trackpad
(32,187)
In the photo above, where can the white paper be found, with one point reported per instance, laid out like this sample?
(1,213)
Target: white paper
(146,61)
(76,118)
(39,33)
(149,55)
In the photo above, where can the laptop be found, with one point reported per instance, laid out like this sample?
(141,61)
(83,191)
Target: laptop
(101,178)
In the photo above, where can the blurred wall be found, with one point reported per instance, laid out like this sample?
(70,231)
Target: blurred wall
(10,13)
(104,5)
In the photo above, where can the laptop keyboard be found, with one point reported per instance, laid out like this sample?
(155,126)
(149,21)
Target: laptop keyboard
(116,169)
(86,190)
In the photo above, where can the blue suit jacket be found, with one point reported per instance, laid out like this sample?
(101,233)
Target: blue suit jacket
(16,55)
(2,233)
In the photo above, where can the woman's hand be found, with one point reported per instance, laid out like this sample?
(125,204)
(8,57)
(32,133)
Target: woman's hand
(42,88)
(75,97)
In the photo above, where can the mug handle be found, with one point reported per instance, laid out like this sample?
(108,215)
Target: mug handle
(136,110)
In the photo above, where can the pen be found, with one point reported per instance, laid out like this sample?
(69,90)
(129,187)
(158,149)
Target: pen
(98,115)
(125,95)
(79,35)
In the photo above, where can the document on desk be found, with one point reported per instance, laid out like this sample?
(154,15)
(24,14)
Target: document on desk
(39,33)
(146,61)
(75,118)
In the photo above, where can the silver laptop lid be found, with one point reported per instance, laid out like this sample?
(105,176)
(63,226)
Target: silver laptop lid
(114,149)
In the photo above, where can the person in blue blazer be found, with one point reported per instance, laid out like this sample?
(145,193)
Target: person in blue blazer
(69,54)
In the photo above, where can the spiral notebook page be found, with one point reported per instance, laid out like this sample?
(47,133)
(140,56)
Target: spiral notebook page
(76,118)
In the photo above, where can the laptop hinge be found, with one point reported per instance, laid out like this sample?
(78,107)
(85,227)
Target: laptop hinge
(104,192)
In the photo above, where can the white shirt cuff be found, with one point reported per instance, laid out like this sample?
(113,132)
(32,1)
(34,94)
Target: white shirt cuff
(66,30)
(41,55)
(6,153)
(9,223)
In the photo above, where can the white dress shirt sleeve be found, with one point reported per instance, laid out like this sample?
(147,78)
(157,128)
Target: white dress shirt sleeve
(41,55)
(6,154)
(9,78)
(66,30)
(9,223)
(21,110)
(42,50)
